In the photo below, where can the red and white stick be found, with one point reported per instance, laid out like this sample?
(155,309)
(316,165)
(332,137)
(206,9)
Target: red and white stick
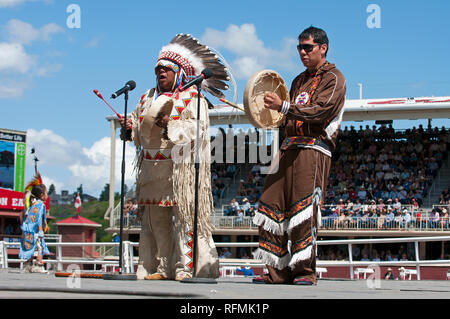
(101,97)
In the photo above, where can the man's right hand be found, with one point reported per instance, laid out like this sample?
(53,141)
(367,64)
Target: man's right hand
(129,123)
(127,134)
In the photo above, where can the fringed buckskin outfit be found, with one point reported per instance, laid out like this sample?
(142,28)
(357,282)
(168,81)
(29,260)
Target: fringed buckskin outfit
(166,171)
(289,209)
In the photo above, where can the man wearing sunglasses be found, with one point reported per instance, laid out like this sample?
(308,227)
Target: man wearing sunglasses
(289,211)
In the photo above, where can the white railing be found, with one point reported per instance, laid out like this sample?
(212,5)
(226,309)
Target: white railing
(227,222)
(129,261)
(377,223)
(350,263)
(328,223)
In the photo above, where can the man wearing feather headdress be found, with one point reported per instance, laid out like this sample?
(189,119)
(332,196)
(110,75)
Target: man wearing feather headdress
(34,224)
(162,126)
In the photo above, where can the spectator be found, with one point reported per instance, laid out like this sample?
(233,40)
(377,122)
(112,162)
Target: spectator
(356,252)
(398,219)
(389,219)
(225,253)
(9,230)
(433,220)
(242,190)
(231,170)
(397,205)
(342,220)
(357,207)
(245,205)
(365,257)
(362,193)
(256,169)
(240,218)
(444,219)
(332,218)
(352,195)
(127,207)
(415,204)
(116,239)
(380,205)
(220,185)
(234,207)
(406,219)
(389,275)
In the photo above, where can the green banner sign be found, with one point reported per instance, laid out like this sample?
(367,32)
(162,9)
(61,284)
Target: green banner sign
(21,150)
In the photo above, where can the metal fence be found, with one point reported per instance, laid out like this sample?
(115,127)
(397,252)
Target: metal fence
(130,261)
(423,223)
(350,263)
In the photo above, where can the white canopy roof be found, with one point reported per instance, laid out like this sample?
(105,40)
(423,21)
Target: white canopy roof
(356,110)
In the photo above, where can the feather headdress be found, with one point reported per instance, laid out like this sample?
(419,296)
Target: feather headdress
(194,57)
(37,180)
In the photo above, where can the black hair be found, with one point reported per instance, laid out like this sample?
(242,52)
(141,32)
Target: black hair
(38,190)
(319,36)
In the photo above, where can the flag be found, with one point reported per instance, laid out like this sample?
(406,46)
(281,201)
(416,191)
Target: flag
(78,203)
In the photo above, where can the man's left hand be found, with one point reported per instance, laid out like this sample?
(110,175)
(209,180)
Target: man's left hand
(272,101)
(162,120)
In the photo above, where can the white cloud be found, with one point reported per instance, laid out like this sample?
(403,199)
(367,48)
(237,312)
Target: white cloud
(24,33)
(13,3)
(94,42)
(11,90)
(14,58)
(84,165)
(251,53)
(10,3)
(48,69)
(94,173)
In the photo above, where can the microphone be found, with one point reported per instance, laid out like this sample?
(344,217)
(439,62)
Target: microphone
(206,73)
(128,87)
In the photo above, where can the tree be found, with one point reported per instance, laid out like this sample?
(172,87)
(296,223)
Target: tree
(51,189)
(104,196)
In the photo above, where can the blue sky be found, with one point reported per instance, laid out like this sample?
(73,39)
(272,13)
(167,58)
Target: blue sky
(48,70)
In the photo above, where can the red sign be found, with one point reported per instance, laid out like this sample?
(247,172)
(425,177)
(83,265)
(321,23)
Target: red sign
(10,199)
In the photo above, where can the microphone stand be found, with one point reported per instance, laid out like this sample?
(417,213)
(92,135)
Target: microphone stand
(194,278)
(122,276)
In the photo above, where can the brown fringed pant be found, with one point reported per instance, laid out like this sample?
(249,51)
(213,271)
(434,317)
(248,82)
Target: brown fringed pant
(288,211)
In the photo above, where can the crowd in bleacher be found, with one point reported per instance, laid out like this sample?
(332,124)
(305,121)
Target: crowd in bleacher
(383,175)
(388,252)
(379,177)
(383,164)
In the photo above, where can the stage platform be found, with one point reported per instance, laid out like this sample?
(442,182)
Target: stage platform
(17,284)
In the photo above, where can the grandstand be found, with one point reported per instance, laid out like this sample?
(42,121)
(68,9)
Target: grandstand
(383,182)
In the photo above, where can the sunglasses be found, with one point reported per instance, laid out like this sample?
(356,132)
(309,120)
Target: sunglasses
(307,47)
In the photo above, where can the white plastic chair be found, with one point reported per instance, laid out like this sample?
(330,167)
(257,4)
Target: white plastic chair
(3,255)
(320,271)
(364,271)
(232,271)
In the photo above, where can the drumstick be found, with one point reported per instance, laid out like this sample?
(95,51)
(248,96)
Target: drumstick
(96,92)
(231,104)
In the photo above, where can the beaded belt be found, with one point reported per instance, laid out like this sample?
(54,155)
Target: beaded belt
(293,142)
(157,154)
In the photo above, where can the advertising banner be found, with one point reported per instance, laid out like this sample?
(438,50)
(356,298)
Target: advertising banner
(12,159)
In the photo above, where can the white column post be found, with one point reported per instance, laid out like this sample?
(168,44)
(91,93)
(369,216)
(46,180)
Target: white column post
(112,170)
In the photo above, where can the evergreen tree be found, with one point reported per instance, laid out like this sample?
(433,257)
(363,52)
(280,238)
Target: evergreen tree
(51,189)
(104,196)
